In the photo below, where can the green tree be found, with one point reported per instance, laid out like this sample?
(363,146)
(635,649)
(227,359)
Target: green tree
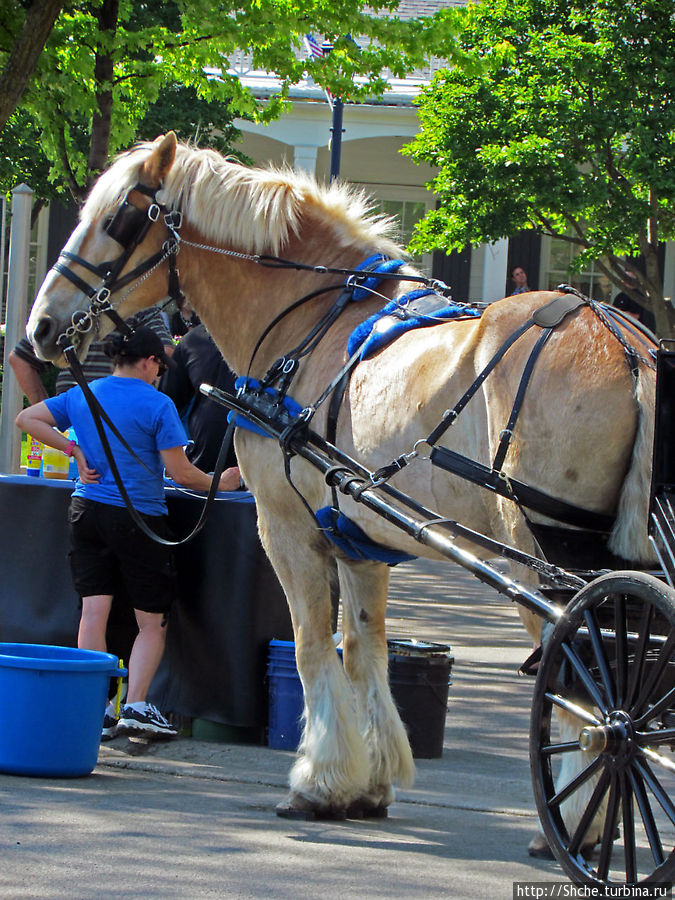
(107,61)
(564,124)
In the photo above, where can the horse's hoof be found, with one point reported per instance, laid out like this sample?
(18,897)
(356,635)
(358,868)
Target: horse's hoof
(363,808)
(539,848)
(297,807)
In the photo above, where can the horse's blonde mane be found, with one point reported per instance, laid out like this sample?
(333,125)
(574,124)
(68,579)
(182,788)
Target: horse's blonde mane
(250,209)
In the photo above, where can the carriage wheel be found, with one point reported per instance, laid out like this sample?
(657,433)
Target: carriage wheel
(609,670)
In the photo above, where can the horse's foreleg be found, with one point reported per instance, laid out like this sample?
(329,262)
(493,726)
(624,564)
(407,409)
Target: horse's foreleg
(332,767)
(363,588)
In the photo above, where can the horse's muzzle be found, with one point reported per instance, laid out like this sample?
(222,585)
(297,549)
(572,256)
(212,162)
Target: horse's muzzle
(44,338)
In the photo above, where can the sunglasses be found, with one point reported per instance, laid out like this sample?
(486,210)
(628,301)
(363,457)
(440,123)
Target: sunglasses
(161,364)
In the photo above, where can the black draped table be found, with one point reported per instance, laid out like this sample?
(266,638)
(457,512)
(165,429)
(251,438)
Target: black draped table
(230,606)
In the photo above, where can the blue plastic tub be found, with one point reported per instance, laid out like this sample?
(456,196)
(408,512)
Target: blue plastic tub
(52,701)
(285,697)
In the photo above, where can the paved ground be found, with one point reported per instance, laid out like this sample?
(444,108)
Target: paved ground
(192,819)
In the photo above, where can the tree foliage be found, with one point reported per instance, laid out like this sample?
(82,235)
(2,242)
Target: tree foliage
(108,61)
(564,124)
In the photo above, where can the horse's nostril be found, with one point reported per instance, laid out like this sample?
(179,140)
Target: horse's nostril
(43,329)
(44,335)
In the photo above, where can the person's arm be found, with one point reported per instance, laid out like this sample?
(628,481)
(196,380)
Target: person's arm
(180,469)
(28,378)
(40,423)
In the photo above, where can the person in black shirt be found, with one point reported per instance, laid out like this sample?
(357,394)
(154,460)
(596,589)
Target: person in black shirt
(196,359)
(184,319)
(626,303)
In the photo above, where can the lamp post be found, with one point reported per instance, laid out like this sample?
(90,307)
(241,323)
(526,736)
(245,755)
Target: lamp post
(336,128)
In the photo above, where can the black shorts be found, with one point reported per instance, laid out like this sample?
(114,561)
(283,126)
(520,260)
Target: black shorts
(108,549)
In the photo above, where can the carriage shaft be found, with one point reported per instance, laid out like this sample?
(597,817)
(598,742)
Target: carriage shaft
(361,490)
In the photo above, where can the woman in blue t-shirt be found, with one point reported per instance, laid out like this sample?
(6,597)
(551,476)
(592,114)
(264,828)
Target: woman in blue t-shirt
(106,546)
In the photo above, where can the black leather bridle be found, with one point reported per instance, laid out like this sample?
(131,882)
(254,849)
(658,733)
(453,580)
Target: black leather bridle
(128,227)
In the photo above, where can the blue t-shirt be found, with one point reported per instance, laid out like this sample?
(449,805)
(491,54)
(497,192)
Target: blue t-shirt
(148,421)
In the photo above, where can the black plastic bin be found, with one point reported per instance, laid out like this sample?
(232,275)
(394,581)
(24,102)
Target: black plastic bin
(419,677)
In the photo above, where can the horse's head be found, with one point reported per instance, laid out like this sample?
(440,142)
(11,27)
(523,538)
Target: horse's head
(114,258)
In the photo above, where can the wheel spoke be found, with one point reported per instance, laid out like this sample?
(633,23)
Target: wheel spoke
(662,736)
(664,703)
(628,828)
(657,672)
(576,782)
(600,655)
(586,678)
(655,787)
(640,653)
(609,830)
(573,708)
(620,631)
(567,747)
(647,815)
(664,761)
(589,813)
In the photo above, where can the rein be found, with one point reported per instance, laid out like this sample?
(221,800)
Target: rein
(100,416)
(128,227)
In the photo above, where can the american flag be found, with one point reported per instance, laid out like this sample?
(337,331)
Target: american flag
(313,46)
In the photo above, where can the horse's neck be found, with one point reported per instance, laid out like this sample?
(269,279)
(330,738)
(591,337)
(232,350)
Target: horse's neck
(239,299)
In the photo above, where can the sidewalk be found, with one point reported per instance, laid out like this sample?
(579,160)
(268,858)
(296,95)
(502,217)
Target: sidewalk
(196,819)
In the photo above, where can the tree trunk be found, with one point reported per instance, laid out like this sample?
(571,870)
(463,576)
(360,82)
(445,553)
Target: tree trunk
(103,75)
(25,54)
(664,314)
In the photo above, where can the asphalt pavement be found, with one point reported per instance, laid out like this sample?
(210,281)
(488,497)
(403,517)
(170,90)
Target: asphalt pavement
(195,819)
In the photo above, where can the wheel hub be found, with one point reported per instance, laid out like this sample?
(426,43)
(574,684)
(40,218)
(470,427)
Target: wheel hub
(616,736)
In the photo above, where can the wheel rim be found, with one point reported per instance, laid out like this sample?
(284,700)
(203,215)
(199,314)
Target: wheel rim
(609,667)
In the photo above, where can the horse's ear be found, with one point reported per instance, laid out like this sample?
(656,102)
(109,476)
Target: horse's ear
(161,159)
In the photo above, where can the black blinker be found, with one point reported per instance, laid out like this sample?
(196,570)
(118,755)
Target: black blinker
(128,225)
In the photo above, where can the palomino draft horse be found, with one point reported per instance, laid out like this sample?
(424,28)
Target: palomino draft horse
(583,433)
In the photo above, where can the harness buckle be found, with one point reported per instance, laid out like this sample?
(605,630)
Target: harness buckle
(173,219)
(100,300)
(154,211)
(289,366)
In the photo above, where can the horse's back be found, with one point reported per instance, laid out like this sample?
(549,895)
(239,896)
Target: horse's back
(575,431)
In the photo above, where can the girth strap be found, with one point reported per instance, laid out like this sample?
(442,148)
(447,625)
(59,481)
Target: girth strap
(523,494)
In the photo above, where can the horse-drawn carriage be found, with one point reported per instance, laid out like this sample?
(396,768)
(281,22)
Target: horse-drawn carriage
(375,422)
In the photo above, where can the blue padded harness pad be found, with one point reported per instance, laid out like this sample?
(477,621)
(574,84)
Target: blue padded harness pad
(392,320)
(354,542)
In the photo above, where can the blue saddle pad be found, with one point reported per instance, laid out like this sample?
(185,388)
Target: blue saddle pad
(353,541)
(416,309)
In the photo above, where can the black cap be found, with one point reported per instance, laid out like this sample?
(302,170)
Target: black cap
(142,343)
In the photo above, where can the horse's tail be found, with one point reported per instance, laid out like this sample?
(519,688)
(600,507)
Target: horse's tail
(629,538)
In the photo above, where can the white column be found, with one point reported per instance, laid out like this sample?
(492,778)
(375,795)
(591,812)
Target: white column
(304,158)
(495,261)
(15,325)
